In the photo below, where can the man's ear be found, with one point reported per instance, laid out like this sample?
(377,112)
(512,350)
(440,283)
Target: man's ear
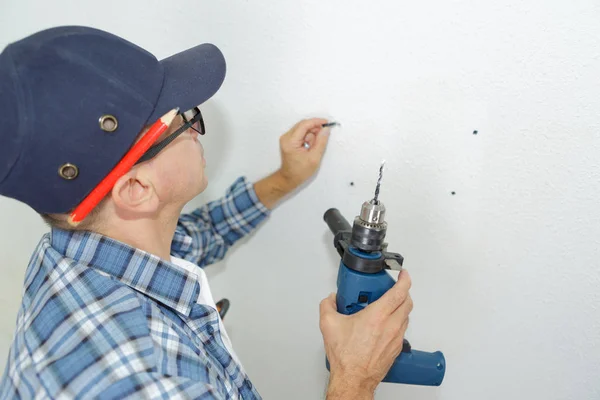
(134,194)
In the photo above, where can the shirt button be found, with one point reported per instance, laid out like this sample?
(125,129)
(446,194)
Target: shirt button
(249,384)
(210,330)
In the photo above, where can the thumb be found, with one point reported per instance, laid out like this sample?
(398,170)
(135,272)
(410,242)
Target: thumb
(328,304)
(395,296)
(301,129)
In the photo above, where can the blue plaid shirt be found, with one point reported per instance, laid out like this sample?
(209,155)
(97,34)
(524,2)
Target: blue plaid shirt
(100,319)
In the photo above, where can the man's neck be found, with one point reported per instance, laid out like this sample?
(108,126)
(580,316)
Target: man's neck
(150,235)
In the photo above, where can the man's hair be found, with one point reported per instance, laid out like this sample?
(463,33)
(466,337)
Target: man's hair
(90,223)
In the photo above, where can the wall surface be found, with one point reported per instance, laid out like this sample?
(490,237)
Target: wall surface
(506,270)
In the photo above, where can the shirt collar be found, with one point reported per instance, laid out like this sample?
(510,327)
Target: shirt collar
(165,282)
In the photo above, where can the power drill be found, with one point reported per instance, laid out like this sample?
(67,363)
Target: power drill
(362,279)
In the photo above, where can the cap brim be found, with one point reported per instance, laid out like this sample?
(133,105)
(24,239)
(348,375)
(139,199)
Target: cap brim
(191,77)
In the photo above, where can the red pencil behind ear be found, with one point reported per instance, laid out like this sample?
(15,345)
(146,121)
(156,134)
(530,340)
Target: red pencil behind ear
(128,161)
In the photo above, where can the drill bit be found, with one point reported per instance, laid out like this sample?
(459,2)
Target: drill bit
(375,199)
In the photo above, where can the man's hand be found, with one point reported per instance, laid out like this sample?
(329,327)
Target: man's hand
(298,163)
(362,347)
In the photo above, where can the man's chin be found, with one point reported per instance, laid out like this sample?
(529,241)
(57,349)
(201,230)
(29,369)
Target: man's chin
(203,186)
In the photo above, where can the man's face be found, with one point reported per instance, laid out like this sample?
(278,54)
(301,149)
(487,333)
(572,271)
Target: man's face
(177,171)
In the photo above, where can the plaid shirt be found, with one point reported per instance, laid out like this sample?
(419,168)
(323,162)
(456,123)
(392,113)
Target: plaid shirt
(100,319)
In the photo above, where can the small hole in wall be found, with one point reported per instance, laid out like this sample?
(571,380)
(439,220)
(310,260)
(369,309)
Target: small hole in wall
(475,132)
(351,183)
(453,193)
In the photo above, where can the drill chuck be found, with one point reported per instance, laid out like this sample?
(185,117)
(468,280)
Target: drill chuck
(372,212)
(369,229)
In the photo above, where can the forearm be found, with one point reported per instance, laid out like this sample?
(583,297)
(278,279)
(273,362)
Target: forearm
(272,189)
(345,388)
(204,234)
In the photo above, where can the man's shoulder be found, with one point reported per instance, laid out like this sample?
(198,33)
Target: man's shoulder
(61,290)
(76,327)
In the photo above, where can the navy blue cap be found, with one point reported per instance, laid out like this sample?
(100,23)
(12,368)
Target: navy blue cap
(58,84)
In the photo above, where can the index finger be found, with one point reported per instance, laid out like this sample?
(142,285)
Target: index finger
(395,296)
(304,126)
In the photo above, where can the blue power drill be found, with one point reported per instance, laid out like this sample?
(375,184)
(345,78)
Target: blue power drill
(362,279)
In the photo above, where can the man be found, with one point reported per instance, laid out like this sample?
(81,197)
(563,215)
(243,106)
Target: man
(117,305)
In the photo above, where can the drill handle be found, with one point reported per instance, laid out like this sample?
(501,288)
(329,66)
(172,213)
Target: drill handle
(341,229)
(336,221)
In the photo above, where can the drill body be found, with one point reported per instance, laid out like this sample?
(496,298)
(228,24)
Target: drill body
(362,279)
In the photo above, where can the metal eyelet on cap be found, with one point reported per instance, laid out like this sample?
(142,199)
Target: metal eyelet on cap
(108,123)
(68,171)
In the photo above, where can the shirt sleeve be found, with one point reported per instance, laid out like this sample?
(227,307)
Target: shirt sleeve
(150,385)
(204,235)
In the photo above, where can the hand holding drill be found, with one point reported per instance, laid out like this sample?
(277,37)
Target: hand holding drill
(364,323)
(362,347)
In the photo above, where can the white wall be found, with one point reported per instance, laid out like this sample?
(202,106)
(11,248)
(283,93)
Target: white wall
(506,272)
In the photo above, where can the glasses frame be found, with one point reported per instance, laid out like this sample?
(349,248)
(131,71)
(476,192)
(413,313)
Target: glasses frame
(158,147)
